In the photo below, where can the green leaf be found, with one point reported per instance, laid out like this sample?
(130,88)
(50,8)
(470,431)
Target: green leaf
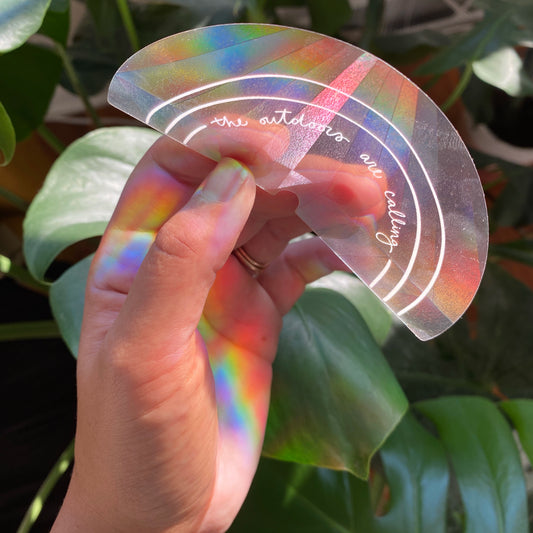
(56,23)
(521,414)
(521,251)
(67,297)
(60,6)
(522,10)
(401,45)
(375,314)
(490,34)
(330,378)
(29,77)
(434,368)
(373,19)
(417,472)
(485,460)
(80,192)
(8,140)
(478,99)
(499,355)
(19,20)
(101,44)
(255,11)
(160,20)
(504,69)
(329,17)
(486,352)
(287,497)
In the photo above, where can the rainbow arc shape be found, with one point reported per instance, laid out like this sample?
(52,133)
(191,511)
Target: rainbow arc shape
(380,173)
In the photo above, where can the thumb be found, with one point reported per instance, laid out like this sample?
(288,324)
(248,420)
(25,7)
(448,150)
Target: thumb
(166,299)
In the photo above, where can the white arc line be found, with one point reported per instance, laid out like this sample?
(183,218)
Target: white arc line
(351,97)
(193,133)
(379,277)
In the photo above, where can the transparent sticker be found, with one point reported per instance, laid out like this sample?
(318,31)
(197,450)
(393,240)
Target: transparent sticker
(380,173)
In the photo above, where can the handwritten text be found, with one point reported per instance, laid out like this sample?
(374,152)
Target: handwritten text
(372,167)
(283,116)
(226,122)
(397,220)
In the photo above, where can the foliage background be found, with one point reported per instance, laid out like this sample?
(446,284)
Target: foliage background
(459,458)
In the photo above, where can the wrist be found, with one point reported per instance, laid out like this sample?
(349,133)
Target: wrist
(79,514)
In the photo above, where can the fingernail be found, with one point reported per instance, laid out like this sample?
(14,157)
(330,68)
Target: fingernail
(224,182)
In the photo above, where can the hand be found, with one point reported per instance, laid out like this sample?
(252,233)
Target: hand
(178,340)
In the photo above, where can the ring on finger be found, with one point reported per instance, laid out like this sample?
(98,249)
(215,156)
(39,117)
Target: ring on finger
(247,261)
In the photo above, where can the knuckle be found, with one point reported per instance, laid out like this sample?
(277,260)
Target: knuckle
(176,244)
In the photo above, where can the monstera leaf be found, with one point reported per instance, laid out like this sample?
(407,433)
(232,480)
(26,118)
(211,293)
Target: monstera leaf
(19,20)
(86,181)
(417,492)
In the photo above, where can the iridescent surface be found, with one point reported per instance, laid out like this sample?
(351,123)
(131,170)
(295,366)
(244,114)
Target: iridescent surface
(329,122)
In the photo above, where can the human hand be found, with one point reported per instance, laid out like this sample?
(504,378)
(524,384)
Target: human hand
(178,340)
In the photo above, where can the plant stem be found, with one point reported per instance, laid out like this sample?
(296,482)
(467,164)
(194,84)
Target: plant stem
(127,20)
(76,84)
(17,331)
(459,88)
(14,199)
(50,139)
(21,275)
(34,510)
(373,20)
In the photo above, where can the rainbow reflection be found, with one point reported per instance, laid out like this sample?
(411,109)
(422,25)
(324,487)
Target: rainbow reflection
(242,389)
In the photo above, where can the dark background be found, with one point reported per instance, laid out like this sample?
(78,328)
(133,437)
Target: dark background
(38,403)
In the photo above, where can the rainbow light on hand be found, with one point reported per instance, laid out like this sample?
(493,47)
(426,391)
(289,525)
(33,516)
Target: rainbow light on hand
(242,381)
(146,204)
(242,390)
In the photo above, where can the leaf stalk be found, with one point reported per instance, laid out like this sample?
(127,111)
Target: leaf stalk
(50,139)
(35,508)
(129,26)
(21,275)
(76,84)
